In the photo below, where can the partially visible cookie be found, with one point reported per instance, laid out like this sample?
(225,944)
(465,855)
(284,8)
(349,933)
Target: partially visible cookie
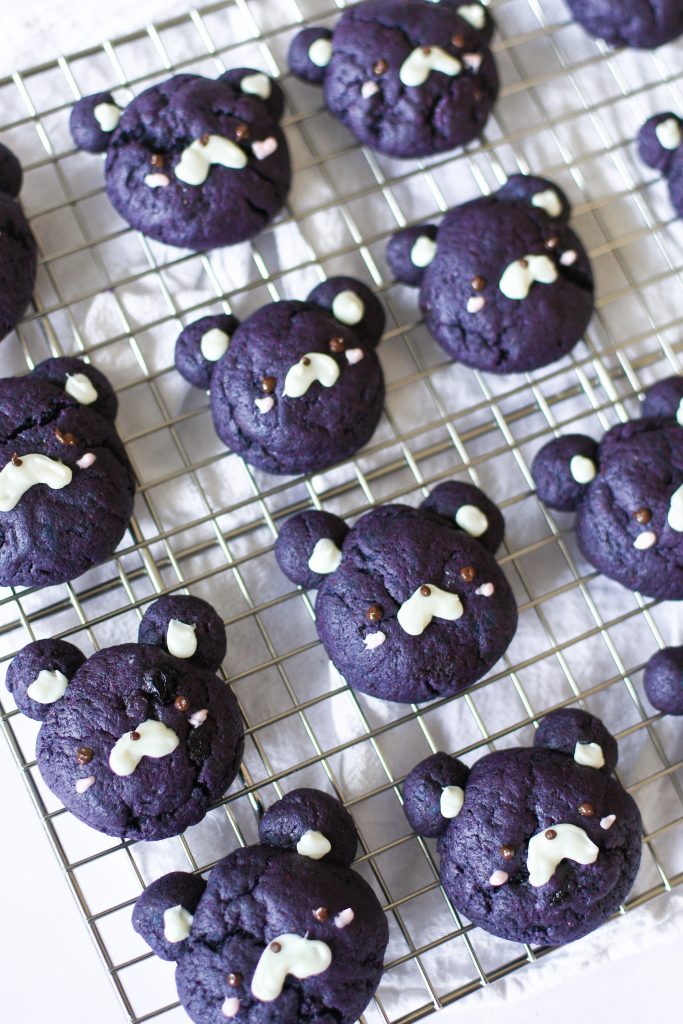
(283,931)
(664,680)
(537,844)
(138,740)
(408,77)
(66,485)
(192,162)
(643,24)
(18,255)
(660,144)
(505,283)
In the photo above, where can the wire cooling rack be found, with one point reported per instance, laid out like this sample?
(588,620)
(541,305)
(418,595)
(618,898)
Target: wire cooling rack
(204,522)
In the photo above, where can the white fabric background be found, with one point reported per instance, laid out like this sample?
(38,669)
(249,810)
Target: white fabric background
(48,964)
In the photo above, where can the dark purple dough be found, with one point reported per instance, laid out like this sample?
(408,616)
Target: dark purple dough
(207,625)
(509,286)
(664,680)
(18,255)
(146,141)
(385,560)
(643,24)
(62,411)
(339,326)
(370,83)
(511,808)
(118,697)
(629,495)
(660,144)
(263,894)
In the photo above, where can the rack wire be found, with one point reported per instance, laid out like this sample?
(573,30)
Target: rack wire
(205,523)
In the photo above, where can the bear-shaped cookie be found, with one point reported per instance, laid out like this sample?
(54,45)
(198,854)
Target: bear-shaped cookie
(66,485)
(18,255)
(642,24)
(408,78)
(505,284)
(282,931)
(627,492)
(298,386)
(660,144)
(537,844)
(139,739)
(192,162)
(411,602)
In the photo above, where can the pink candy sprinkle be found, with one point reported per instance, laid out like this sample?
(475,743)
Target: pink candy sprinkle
(569,258)
(344,918)
(472,60)
(485,590)
(86,461)
(231,1007)
(198,718)
(264,148)
(264,404)
(476,303)
(354,355)
(369,89)
(157,180)
(83,784)
(608,821)
(499,878)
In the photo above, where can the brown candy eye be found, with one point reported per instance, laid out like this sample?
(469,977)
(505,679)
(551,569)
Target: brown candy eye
(643,516)
(468,573)
(234,979)
(68,439)
(458,40)
(181,703)
(586,809)
(337,345)
(507,851)
(478,283)
(242,132)
(268,385)
(375,613)
(381,67)
(156,160)
(321,914)
(552,242)
(84,755)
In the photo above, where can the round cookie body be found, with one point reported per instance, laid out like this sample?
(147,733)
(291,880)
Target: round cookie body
(316,429)
(513,795)
(390,554)
(51,534)
(18,260)
(109,699)
(233,203)
(640,469)
(377,86)
(643,24)
(260,893)
(480,246)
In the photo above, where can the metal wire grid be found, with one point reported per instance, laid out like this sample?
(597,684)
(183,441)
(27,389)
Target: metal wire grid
(205,522)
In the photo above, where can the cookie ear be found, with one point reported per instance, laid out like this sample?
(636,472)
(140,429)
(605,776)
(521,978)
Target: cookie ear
(433,794)
(665,398)
(477,16)
(11,174)
(467,508)
(662,679)
(257,83)
(310,54)
(201,346)
(353,304)
(575,732)
(186,627)
(93,121)
(163,914)
(39,675)
(564,469)
(410,252)
(309,545)
(539,193)
(82,382)
(659,140)
(313,823)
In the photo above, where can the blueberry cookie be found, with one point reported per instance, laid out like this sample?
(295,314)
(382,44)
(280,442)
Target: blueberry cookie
(66,485)
(298,386)
(537,844)
(643,24)
(660,144)
(505,284)
(627,493)
(411,603)
(283,931)
(192,162)
(664,680)
(17,246)
(138,740)
(408,77)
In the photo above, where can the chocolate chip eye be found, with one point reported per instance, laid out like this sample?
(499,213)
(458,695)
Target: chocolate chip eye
(162,683)
(586,810)
(507,851)
(198,744)
(375,613)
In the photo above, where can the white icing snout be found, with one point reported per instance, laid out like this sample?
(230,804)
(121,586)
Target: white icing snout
(589,754)
(548,848)
(198,158)
(177,923)
(427,603)
(48,686)
(18,476)
(80,387)
(181,639)
(314,366)
(154,740)
(520,275)
(313,844)
(451,801)
(326,557)
(288,954)
(418,66)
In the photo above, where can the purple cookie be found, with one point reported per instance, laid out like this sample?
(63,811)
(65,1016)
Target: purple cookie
(283,931)
(411,604)
(538,844)
(298,386)
(660,144)
(66,485)
(643,24)
(664,680)
(408,77)
(18,255)
(140,739)
(505,285)
(192,162)
(627,492)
